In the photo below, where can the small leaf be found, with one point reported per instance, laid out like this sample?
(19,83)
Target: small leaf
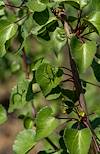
(18,96)
(25,140)
(44,15)
(3,115)
(77,141)
(28,123)
(83,53)
(47,77)
(58,39)
(7,31)
(53,96)
(36,5)
(96,69)
(45,123)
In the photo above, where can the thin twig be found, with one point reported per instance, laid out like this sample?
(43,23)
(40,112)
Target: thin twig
(68,80)
(91,83)
(66,68)
(68,75)
(87,33)
(10,5)
(52,144)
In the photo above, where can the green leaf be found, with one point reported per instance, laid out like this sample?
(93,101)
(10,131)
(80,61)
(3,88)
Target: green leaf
(58,39)
(83,53)
(91,26)
(96,5)
(77,141)
(96,69)
(1,2)
(43,31)
(25,140)
(18,95)
(72,95)
(41,17)
(36,5)
(53,96)
(44,1)
(47,77)
(74,3)
(51,24)
(3,115)
(95,20)
(83,3)
(45,123)
(7,31)
(44,35)
(28,122)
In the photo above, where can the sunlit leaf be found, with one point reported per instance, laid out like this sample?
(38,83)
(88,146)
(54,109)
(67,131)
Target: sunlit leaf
(45,123)
(77,141)
(36,5)
(83,53)
(25,140)
(7,31)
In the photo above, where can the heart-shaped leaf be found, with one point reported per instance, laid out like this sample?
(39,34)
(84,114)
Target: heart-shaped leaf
(45,123)
(77,141)
(83,53)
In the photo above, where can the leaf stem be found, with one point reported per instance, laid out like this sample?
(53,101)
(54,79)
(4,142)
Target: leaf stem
(10,5)
(91,83)
(52,144)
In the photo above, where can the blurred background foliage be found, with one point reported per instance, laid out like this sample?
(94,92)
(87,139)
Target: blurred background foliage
(30,35)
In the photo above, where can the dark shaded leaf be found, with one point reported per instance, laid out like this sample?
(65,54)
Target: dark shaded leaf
(96,69)
(72,95)
(41,17)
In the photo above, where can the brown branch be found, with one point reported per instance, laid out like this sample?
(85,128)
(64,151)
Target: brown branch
(79,90)
(13,6)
